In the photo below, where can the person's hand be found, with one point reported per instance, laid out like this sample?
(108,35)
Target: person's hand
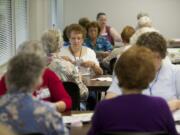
(67,59)
(88,64)
(174,104)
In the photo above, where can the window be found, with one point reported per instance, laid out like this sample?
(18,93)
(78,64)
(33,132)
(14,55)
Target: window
(13,27)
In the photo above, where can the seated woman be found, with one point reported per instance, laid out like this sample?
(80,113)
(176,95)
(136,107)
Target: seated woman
(126,34)
(52,42)
(82,57)
(51,89)
(98,43)
(18,108)
(133,111)
(107,31)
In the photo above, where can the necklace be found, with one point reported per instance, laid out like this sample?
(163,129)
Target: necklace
(75,59)
(156,79)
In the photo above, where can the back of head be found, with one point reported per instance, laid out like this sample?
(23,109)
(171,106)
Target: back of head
(142,14)
(32,47)
(84,21)
(23,71)
(52,40)
(154,41)
(144,21)
(126,33)
(135,68)
(77,28)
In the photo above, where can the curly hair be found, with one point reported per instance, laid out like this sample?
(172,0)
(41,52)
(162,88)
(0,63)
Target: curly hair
(154,41)
(93,24)
(135,68)
(77,28)
(23,71)
(52,40)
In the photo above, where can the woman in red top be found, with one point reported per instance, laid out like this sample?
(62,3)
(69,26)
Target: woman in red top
(52,89)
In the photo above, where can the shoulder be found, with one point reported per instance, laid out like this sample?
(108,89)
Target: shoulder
(50,75)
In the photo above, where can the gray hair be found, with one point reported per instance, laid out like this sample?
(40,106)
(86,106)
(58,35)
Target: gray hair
(142,14)
(52,41)
(23,71)
(35,47)
(144,21)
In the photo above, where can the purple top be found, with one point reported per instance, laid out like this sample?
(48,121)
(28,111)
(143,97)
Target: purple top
(133,112)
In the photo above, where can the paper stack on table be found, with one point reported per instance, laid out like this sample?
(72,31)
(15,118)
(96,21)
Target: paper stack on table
(83,117)
(103,79)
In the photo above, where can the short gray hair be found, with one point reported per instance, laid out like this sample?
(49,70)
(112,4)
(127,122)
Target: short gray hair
(32,46)
(23,71)
(142,14)
(52,40)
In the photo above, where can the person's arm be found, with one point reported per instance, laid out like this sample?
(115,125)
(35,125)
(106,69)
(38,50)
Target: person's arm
(96,68)
(114,90)
(54,122)
(175,104)
(3,88)
(58,93)
(166,116)
(116,36)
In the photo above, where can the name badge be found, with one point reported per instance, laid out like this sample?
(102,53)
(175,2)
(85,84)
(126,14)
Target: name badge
(43,93)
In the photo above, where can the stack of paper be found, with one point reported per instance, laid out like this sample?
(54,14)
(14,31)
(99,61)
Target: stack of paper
(83,117)
(103,79)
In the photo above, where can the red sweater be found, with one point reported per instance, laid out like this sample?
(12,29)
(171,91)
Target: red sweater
(51,90)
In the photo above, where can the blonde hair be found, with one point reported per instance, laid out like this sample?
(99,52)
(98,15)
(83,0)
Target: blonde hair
(52,40)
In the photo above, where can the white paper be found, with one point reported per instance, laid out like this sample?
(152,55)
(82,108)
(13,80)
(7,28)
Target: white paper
(176,115)
(103,79)
(83,117)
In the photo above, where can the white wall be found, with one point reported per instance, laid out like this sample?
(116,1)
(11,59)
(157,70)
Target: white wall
(39,18)
(164,13)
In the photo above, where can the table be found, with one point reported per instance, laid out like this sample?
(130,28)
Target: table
(82,130)
(96,85)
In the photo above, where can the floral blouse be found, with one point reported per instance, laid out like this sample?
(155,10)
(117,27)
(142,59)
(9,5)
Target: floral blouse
(25,114)
(67,72)
(102,44)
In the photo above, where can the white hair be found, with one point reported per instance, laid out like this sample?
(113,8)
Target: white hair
(139,32)
(144,21)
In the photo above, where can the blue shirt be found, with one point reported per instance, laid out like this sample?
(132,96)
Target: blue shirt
(166,83)
(25,114)
(102,44)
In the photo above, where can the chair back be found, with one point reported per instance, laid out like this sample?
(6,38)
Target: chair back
(74,91)
(133,133)
(112,64)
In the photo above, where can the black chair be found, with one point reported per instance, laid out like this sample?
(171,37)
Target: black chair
(133,133)
(73,90)
(112,64)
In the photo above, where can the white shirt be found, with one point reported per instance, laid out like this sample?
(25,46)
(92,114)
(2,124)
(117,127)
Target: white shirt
(166,83)
(89,56)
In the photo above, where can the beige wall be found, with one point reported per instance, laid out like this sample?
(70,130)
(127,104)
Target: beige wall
(164,13)
(39,17)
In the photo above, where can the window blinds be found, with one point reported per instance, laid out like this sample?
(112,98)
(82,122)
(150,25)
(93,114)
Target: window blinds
(13,27)
(6,41)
